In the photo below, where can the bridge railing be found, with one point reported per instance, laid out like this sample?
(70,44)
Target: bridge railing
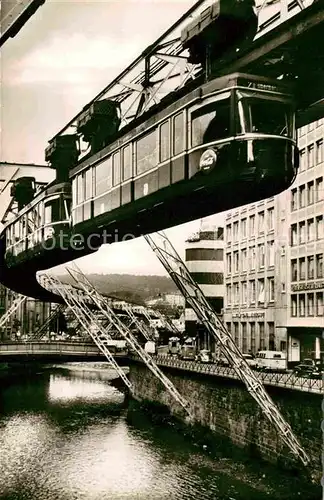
(286,380)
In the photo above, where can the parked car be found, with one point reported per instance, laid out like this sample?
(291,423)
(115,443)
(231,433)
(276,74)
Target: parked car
(307,368)
(251,361)
(275,361)
(205,356)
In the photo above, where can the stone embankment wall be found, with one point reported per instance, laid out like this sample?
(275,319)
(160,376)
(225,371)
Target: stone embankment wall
(225,407)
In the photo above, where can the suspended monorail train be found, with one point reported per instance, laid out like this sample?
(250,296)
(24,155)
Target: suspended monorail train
(229,142)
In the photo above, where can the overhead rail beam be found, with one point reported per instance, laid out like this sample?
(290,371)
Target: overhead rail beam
(125,332)
(172,262)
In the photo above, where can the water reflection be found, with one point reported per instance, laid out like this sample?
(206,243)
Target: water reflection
(70,389)
(65,437)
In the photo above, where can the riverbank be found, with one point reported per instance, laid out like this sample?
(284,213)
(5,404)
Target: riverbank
(225,457)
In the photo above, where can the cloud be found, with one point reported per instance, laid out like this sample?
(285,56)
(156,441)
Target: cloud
(72,59)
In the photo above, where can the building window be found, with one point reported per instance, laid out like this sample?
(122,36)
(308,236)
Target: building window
(243,228)
(294,196)
(319,265)
(302,269)
(270,214)
(229,232)
(236,261)
(319,151)
(261,255)
(252,257)
(302,304)
(244,292)
(244,338)
(294,305)
(319,189)
(302,160)
(310,267)
(235,231)
(261,294)
(244,259)
(310,156)
(262,339)
(310,304)
(294,275)
(310,193)
(236,290)
(252,225)
(165,141)
(319,228)
(229,263)
(271,331)
(310,230)
(178,134)
(271,253)
(271,289)
(252,291)
(302,196)
(229,294)
(261,222)
(319,304)
(302,231)
(236,333)
(293,235)
(252,338)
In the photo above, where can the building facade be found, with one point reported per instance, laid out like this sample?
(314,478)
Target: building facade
(274,262)
(305,318)
(27,318)
(205,262)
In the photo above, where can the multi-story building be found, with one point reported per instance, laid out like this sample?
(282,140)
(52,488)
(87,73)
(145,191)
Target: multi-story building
(27,318)
(274,262)
(305,284)
(205,262)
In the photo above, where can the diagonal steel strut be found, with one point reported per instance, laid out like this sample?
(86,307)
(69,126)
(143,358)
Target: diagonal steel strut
(125,332)
(85,316)
(177,270)
(14,306)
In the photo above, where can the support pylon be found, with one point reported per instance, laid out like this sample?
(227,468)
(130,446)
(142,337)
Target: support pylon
(14,306)
(102,304)
(179,273)
(86,317)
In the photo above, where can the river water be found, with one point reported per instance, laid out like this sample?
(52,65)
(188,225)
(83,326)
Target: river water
(68,435)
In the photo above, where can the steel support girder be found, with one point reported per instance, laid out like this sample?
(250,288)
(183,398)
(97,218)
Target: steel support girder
(177,270)
(86,318)
(103,306)
(14,306)
(41,330)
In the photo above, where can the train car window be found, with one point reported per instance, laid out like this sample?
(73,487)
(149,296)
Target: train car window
(178,134)
(80,189)
(103,176)
(165,141)
(146,153)
(127,163)
(116,168)
(266,116)
(88,183)
(48,213)
(211,123)
(74,191)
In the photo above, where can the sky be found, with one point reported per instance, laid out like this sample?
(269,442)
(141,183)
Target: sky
(66,53)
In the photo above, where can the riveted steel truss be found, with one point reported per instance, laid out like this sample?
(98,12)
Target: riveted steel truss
(179,273)
(103,306)
(20,300)
(86,317)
